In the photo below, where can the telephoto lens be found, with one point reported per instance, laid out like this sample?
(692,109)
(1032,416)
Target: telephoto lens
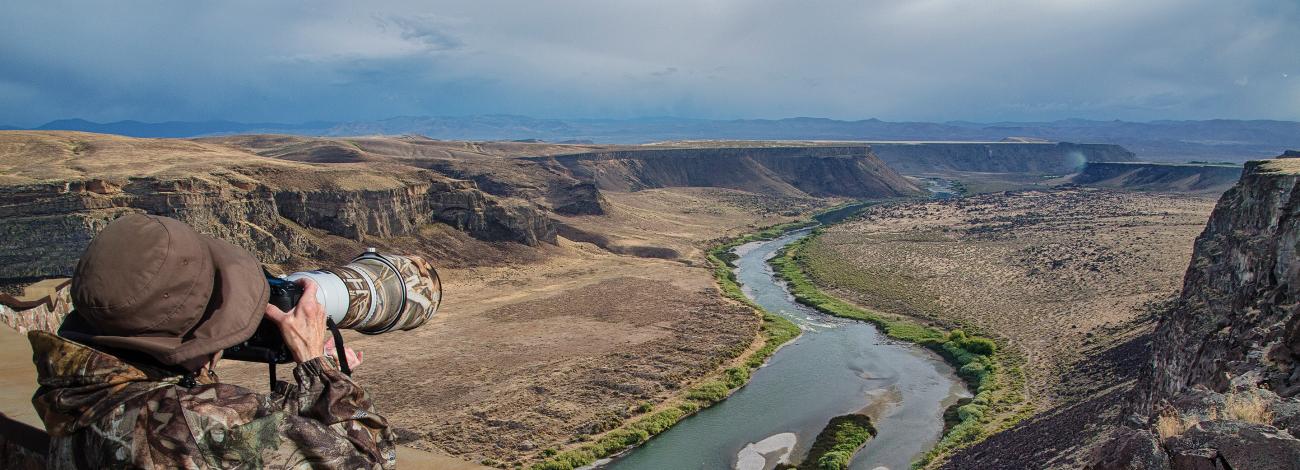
(377,293)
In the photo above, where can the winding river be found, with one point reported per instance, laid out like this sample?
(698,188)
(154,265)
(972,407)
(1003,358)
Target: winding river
(836,367)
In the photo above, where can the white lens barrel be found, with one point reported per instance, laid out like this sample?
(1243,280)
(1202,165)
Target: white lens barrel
(330,292)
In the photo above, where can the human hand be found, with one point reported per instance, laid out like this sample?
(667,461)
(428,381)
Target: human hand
(354,357)
(303,326)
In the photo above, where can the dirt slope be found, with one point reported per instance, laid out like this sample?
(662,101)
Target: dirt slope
(1038,268)
(1198,178)
(1030,158)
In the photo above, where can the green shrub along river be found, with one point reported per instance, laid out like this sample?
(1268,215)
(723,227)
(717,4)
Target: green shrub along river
(838,442)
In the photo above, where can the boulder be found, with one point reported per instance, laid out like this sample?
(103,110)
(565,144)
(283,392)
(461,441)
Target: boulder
(1228,444)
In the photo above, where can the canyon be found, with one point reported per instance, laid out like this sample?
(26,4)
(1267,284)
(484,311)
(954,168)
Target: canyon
(579,291)
(297,200)
(531,350)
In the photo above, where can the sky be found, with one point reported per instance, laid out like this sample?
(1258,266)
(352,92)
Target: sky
(926,60)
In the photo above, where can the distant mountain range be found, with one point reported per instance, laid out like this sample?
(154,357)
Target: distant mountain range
(179,128)
(1220,140)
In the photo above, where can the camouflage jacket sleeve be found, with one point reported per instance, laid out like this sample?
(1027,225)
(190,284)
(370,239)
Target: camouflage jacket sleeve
(323,421)
(104,413)
(325,405)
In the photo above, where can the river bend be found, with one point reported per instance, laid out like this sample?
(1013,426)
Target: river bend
(836,367)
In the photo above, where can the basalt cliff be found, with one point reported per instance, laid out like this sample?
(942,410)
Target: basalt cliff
(1222,388)
(59,189)
(1038,158)
(817,171)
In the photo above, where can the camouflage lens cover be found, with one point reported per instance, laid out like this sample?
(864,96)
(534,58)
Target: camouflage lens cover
(388,292)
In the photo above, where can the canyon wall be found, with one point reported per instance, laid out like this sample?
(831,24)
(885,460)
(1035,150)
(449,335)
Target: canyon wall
(1223,386)
(1235,325)
(44,227)
(489,165)
(1159,176)
(852,171)
(1001,157)
(60,189)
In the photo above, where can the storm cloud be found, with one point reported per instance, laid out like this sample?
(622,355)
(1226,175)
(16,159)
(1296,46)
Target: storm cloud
(984,60)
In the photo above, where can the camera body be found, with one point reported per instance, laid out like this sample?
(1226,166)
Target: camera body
(374,293)
(267,344)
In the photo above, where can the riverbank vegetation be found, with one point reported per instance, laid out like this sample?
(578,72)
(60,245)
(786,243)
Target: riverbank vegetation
(993,375)
(837,443)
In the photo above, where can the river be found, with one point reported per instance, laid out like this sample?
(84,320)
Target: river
(836,367)
(941,188)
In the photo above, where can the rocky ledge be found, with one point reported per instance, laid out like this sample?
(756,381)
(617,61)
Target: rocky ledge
(60,189)
(1222,390)
(44,227)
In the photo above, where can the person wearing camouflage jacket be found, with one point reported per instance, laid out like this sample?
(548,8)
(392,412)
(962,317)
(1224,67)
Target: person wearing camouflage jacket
(128,382)
(102,412)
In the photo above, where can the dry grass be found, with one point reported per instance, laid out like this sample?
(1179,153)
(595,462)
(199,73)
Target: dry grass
(1173,424)
(1250,408)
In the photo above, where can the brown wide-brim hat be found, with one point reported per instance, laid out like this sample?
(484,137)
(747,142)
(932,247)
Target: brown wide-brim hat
(153,285)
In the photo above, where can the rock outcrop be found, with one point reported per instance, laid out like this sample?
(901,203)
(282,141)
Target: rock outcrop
(1179,177)
(1003,157)
(286,213)
(1223,386)
(488,164)
(1236,325)
(44,227)
(817,171)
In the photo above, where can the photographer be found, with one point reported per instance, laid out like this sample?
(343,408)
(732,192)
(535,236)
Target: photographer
(130,381)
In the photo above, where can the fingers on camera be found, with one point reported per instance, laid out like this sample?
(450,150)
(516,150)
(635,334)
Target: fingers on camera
(275,314)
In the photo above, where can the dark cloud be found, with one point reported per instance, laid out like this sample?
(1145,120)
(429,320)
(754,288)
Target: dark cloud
(427,30)
(893,59)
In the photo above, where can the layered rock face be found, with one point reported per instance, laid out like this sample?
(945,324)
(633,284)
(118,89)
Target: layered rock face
(1159,176)
(61,189)
(1236,324)
(46,226)
(1223,387)
(490,165)
(1008,157)
(791,171)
